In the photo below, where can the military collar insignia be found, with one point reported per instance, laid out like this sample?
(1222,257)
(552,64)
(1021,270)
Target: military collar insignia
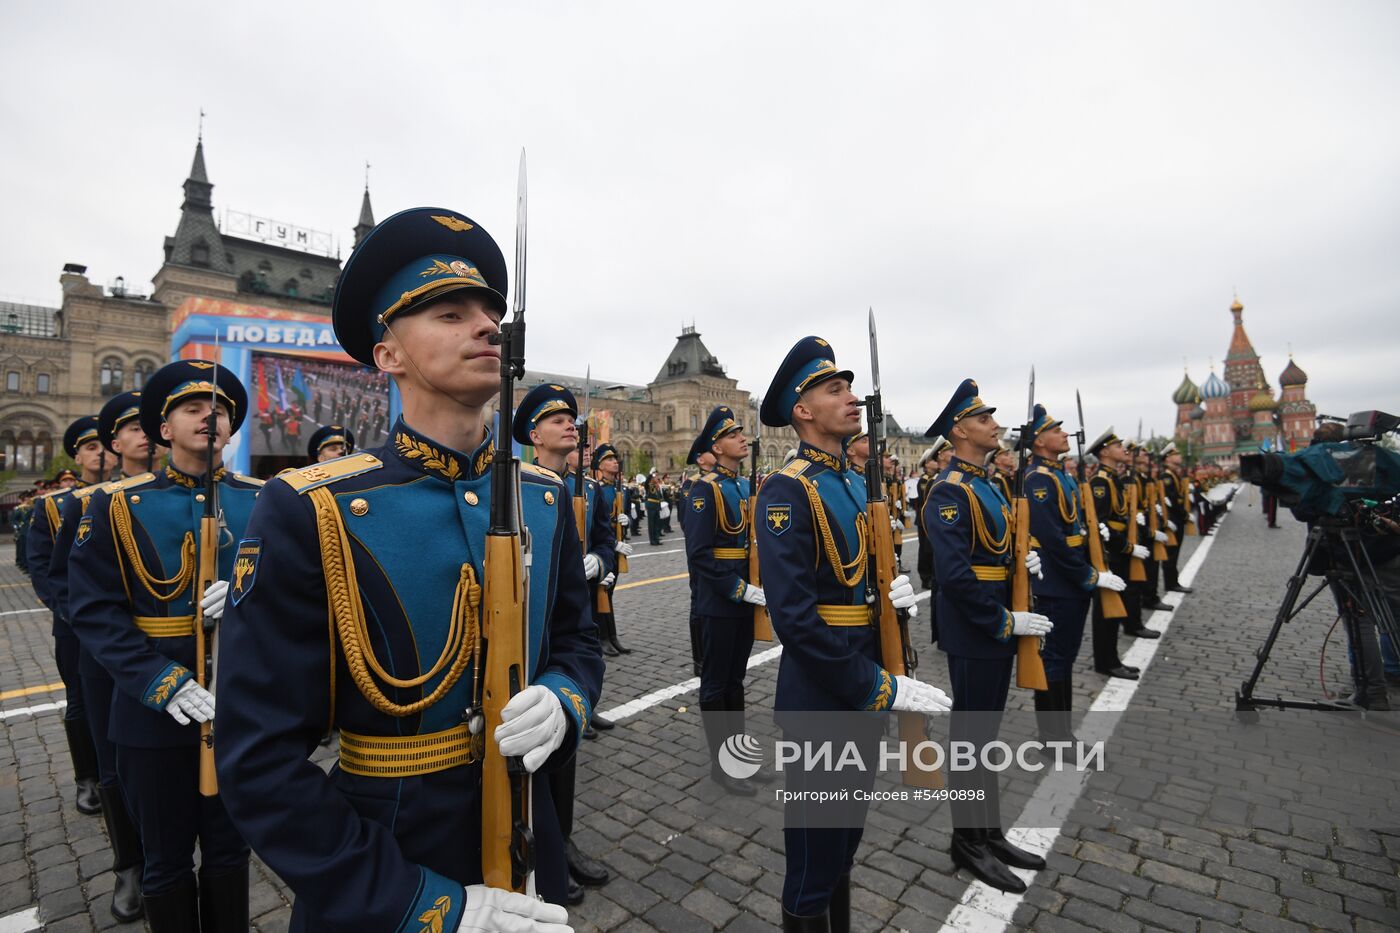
(725,472)
(428,456)
(816,455)
(1048,463)
(858,467)
(969,468)
(181,478)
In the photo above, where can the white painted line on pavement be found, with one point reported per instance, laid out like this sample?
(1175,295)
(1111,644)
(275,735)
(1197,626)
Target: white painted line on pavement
(984,909)
(30,711)
(21,922)
(20,612)
(635,554)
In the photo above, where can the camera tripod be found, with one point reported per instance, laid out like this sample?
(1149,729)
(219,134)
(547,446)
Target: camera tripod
(1346,569)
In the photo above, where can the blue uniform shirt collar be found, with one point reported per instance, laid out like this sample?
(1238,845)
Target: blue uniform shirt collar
(725,472)
(422,453)
(1038,460)
(971,469)
(806,451)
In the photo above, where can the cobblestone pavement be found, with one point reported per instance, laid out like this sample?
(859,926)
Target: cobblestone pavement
(1158,842)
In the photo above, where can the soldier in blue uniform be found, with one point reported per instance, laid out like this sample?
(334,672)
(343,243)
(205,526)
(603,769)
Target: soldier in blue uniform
(132,573)
(705,460)
(547,420)
(716,526)
(969,523)
(1176,498)
(606,467)
(81,443)
(329,442)
(119,430)
(814,553)
(357,605)
(1067,583)
(1111,505)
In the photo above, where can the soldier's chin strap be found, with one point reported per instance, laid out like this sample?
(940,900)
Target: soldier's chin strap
(422,375)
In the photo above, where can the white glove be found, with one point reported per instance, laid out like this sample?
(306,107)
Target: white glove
(191,703)
(533,725)
(1029,623)
(915,696)
(902,595)
(1159,510)
(213,602)
(624,521)
(1140,552)
(897,525)
(607,581)
(1160,537)
(1111,581)
(592,566)
(665,511)
(754,595)
(1033,564)
(1171,525)
(1142,520)
(493,910)
(1103,531)
(624,549)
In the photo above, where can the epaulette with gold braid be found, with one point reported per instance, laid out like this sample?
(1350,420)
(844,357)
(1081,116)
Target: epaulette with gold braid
(251,480)
(86,491)
(795,468)
(129,482)
(322,474)
(538,470)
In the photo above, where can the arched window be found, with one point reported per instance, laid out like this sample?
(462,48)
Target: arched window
(7,449)
(24,452)
(142,373)
(12,381)
(110,380)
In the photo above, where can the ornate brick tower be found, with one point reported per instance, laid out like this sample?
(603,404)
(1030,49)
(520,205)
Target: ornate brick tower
(1218,438)
(1244,375)
(1299,415)
(1262,407)
(1187,396)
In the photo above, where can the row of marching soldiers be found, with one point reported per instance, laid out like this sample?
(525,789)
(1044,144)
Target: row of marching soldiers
(1101,543)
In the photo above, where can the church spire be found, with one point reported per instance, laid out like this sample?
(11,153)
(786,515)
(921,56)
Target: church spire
(366,223)
(197,241)
(199,193)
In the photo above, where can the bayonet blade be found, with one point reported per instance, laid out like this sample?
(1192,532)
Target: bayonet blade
(522,204)
(1079,403)
(874,355)
(1030,400)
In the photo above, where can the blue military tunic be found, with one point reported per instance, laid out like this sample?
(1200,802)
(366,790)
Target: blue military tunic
(813,551)
(969,522)
(1057,531)
(135,611)
(597,512)
(376,559)
(715,521)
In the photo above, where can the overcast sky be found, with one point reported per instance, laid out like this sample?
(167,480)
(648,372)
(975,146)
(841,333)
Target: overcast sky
(1078,186)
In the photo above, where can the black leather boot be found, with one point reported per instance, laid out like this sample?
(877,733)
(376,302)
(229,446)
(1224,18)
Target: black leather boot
(1009,854)
(970,851)
(223,902)
(84,755)
(816,923)
(618,646)
(584,868)
(601,724)
(127,857)
(716,724)
(839,909)
(734,700)
(175,911)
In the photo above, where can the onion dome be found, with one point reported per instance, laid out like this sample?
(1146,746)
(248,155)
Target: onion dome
(1235,305)
(1292,375)
(1214,387)
(1263,400)
(1186,393)
(1197,413)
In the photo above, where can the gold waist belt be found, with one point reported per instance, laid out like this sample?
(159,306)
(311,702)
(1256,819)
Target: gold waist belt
(845,616)
(1118,526)
(395,756)
(987,572)
(166,626)
(731,553)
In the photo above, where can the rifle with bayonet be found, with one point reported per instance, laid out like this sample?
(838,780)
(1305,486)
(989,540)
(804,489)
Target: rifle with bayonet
(507,839)
(1030,669)
(897,653)
(619,532)
(601,602)
(204,626)
(762,624)
(1109,601)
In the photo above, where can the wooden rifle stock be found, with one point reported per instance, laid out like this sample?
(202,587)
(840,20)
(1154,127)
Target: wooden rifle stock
(618,530)
(1110,602)
(601,602)
(1030,669)
(894,636)
(1137,573)
(204,645)
(505,798)
(1159,550)
(762,625)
